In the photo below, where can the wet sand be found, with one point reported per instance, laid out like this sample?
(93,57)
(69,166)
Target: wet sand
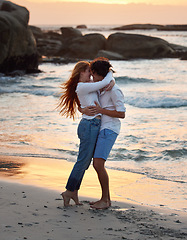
(33,212)
(124,186)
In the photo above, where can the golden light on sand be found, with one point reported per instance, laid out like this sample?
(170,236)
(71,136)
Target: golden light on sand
(124,186)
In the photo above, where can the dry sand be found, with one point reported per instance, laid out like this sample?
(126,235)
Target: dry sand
(34,213)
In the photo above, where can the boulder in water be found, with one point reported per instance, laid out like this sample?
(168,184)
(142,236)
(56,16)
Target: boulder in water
(85,47)
(82,26)
(132,46)
(110,55)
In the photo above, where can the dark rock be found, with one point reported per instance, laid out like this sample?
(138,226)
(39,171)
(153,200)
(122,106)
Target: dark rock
(152,26)
(52,35)
(138,46)
(48,47)
(70,45)
(178,48)
(59,60)
(184,56)
(37,32)
(179,51)
(174,28)
(70,33)
(138,26)
(32,71)
(178,221)
(110,55)
(26,63)
(17,43)
(48,43)
(81,26)
(85,47)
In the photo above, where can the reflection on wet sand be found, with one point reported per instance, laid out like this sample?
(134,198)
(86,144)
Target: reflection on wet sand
(124,186)
(10,168)
(50,173)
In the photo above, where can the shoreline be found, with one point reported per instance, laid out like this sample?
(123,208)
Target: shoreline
(31,212)
(128,187)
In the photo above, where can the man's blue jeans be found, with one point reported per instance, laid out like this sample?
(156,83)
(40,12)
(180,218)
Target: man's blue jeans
(88,131)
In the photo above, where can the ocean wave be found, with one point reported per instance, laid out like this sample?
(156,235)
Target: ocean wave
(156,101)
(150,174)
(36,87)
(128,80)
(175,153)
(32,90)
(29,86)
(165,165)
(118,163)
(71,152)
(50,79)
(5,81)
(138,155)
(36,92)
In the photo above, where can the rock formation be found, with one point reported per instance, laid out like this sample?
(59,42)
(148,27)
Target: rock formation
(184,56)
(81,26)
(138,46)
(20,44)
(85,47)
(152,26)
(71,44)
(17,44)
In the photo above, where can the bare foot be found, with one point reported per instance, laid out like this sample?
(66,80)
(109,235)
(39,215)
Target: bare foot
(66,199)
(76,199)
(101,205)
(92,203)
(67,196)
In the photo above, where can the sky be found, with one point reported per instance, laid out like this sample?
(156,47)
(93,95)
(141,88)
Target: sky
(154,2)
(105,12)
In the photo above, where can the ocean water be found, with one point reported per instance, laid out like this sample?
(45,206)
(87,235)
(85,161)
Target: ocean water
(152,141)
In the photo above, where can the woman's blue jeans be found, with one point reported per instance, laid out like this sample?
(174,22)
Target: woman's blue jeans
(88,131)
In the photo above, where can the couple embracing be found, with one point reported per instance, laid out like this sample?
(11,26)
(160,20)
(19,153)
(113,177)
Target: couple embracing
(101,103)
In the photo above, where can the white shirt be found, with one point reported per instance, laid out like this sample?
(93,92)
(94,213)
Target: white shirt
(112,100)
(87,92)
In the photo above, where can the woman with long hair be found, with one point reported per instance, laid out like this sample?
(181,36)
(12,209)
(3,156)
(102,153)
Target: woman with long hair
(80,91)
(112,109)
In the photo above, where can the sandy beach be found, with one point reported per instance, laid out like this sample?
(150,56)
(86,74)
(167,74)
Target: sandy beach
(40,43)
(33,212)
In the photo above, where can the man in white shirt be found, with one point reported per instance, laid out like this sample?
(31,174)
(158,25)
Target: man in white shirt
(112,108)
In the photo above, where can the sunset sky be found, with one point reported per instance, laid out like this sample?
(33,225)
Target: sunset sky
(155,2)
(73,12)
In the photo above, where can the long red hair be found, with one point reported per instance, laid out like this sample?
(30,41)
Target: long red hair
(69,100)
